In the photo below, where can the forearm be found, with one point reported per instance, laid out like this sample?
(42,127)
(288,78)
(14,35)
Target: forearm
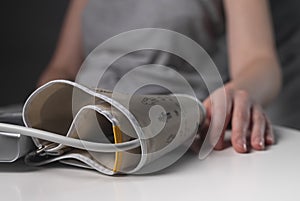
(69,52)
(254,65)
(68,55)
(261,79)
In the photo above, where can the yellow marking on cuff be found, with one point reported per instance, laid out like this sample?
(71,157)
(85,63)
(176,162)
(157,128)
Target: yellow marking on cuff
(118,155)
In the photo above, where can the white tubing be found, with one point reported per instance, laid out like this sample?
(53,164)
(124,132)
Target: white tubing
(67,141)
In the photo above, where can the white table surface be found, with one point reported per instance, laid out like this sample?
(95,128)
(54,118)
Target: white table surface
(270,175)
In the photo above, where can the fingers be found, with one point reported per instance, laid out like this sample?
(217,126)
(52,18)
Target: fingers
(220,143)
(246,118)
(259,125)
(215,109)
(199,138)
(270,138)
(261,130)
(240,121)
(218,115)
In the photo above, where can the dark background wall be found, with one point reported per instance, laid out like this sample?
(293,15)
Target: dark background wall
(29,31)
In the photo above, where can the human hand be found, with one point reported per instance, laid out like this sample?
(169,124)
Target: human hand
(250,126)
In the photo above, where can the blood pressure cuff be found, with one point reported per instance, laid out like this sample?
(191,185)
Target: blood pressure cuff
(161,123)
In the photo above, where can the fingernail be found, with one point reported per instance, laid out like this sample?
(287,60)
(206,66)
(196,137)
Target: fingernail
(242,144)
(261,144)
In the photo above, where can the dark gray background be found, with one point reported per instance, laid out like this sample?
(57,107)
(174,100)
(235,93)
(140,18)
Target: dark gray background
(29,31)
